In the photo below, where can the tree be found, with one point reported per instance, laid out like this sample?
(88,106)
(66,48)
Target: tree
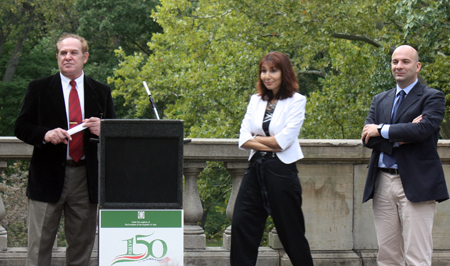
(429,22)
(203,67)
(110,24)
(29,20)
(114,23)
(39,62)
(27,31)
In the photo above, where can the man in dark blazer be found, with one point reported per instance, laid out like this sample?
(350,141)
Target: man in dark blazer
(405,177)
(57,182)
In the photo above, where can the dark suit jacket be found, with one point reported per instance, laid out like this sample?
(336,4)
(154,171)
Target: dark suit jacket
(43,109)
(418,162)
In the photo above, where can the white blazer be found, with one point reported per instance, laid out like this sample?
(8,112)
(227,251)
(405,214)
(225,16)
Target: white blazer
(286,123)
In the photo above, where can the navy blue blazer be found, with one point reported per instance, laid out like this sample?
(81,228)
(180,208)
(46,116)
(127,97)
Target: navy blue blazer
(418,162)
(43,109)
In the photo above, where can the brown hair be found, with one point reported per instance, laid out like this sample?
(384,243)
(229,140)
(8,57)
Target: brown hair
(84,44)
(289,83)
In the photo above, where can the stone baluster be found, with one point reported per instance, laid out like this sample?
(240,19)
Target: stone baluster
(194,235)
(274,240)
(237,171)
(3,165)
(3,233)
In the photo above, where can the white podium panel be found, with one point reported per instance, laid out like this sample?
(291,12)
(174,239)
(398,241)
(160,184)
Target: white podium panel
(141,237)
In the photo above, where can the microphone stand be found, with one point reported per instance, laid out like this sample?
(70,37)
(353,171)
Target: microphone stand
(151,99)
(185,141)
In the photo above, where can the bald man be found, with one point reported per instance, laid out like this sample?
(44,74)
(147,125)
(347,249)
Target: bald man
(405,177)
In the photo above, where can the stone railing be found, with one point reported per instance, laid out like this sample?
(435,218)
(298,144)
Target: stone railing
(338,226)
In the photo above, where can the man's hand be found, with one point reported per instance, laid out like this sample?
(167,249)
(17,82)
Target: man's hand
(415,121)
(369,131)
(93,124)
(56,136)
(418,119)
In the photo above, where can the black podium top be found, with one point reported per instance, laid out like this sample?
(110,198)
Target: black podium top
(141,164)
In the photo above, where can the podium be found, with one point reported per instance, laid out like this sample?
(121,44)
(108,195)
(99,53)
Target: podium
(140,192)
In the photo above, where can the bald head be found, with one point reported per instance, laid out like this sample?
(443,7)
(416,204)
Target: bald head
(405,65)
(410,49)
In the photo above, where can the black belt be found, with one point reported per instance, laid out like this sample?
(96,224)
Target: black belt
(265,154)
(72,163)
(391,171)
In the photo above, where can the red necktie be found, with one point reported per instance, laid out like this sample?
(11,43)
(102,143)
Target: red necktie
(76,147)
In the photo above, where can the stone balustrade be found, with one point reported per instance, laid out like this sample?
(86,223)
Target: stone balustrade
(339,227)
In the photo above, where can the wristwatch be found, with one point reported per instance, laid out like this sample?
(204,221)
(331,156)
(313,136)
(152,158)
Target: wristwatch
(380,126)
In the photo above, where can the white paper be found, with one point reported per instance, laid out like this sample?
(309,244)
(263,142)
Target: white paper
(76,129)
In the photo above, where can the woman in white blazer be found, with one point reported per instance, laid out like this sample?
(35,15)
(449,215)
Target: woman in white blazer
(270,185)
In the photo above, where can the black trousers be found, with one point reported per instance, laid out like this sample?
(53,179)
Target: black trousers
(269,187)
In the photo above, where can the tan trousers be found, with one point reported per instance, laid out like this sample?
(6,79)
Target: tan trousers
(404,228)
(79,227)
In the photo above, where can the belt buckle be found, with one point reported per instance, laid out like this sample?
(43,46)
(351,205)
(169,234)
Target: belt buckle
(72,163)
(391,171)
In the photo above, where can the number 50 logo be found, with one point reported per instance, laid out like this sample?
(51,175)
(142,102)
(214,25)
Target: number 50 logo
(149,253)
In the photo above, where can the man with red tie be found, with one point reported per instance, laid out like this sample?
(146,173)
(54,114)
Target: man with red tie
(63,174)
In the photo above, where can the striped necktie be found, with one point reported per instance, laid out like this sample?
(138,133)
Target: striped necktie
(76,147)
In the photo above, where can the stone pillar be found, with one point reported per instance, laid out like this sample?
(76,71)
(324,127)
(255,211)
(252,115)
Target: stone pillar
(237,171)
(194,235)
(274,240)
(3,165)
(3,233)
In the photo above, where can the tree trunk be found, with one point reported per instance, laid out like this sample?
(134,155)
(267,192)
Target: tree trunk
(14,59)
(3,37)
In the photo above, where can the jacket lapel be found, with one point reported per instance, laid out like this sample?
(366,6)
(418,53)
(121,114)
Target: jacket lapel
(55,93)
(388,104)
(412,97)
(279,110)
(90,100)
(259,112)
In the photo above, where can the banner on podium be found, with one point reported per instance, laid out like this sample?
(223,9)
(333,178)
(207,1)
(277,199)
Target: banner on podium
(141,237)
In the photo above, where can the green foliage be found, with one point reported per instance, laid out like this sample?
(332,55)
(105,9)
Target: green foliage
(11,95)
(40,61)
(12,189)
(338,111)
(112,23)
(428,27)
(214,185)
(13,193)
(203,67)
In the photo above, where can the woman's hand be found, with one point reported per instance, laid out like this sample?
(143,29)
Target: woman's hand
(261,143)
(270,142)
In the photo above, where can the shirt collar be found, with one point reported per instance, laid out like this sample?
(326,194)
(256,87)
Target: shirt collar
(65,81)
(408,88)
